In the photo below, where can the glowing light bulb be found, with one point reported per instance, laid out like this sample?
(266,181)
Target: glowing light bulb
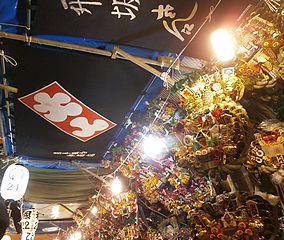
(94,210)
(153,146)
(55,211)
(223,44)
(75,236)
(88,220)
(116,186)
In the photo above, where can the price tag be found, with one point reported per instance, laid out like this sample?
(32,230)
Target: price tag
(29,221)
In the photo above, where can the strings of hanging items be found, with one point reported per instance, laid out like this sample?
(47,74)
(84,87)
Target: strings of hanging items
(169,177)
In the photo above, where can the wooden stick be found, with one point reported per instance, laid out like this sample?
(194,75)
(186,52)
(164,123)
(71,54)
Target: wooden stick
(80,48)
(143,65)
(9,88)
(231,184)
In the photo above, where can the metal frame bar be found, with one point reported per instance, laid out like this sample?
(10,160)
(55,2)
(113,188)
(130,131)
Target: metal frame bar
(29,14)
(6,95)
(3,133)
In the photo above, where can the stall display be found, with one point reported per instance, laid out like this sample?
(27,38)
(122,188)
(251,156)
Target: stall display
(176,174)
(191,138)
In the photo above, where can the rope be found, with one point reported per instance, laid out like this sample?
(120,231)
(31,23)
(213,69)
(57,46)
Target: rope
(15,25)
(28,39)
(8,59)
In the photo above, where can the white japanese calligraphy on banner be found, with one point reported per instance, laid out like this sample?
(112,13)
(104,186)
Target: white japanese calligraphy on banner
(153,24)
(129,7)
(79,6)
(168,12)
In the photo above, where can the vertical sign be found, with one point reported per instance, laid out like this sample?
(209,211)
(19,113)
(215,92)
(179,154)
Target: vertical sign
(29,224)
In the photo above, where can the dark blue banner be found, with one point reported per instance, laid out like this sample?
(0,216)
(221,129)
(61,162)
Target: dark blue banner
(69,106)
(154,24)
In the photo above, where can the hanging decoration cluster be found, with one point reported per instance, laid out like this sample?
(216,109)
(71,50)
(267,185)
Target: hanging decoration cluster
(215,128)
(234,216)
(176,158)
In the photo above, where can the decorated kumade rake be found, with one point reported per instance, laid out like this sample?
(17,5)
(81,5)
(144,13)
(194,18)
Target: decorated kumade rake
(215,127)
(235,216)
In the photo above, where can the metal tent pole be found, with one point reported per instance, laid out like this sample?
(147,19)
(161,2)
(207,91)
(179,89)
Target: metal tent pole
(8,106)
(3,132)
(29,14)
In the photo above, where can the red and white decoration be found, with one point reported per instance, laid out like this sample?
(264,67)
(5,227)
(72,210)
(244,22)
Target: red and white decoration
(64,111)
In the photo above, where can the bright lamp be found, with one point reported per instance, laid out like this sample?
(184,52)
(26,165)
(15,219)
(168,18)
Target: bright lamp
(223,44)
(116,186)
(153,146)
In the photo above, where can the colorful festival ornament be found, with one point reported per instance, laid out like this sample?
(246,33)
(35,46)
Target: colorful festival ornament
(129,232)
(124,205)
(215,127)
(266,152)
(234,216)
(259,51)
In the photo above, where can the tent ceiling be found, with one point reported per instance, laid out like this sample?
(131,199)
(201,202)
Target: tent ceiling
(59,186)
